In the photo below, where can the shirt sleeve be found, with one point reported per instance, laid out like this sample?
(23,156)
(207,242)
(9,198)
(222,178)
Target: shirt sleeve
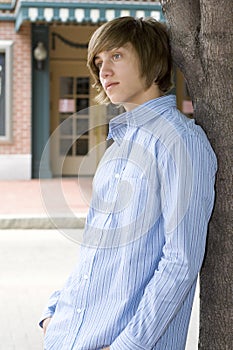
(187,174)
(50,308)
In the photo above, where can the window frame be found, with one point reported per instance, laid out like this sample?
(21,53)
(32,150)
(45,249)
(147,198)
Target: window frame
(6,47)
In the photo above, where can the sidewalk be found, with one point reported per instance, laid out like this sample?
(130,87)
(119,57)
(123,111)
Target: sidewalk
(33,263)
(47,204)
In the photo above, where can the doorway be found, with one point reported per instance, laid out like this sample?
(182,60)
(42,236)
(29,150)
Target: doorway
(75,125)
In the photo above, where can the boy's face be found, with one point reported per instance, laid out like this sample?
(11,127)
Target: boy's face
(120,76)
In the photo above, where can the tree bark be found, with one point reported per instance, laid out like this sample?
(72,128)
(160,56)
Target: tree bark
(202,47)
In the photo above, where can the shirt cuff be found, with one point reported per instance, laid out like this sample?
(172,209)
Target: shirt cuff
(125,342)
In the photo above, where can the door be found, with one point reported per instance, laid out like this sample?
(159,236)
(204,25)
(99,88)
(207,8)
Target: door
(78,130)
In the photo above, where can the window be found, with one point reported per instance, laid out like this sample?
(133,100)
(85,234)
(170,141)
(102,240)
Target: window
(5,89)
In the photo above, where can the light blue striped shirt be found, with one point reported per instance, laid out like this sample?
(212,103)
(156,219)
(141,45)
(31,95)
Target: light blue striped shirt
(144,238)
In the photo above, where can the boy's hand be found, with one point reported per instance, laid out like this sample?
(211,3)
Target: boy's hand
(106,348)
(46,323)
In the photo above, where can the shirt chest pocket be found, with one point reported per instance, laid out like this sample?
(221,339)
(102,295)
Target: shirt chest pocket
(131,195)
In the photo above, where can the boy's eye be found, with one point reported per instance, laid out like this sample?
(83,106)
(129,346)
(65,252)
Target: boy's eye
(98,64)
(116,56)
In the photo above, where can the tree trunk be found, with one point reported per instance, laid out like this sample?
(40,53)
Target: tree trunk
(202,46)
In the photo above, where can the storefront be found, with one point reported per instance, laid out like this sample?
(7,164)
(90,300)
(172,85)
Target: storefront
(44,82)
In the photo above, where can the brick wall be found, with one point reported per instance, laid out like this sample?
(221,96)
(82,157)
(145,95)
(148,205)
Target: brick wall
(21,101)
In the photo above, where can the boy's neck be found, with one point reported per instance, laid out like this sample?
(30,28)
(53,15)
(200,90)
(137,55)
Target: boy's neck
(151,93)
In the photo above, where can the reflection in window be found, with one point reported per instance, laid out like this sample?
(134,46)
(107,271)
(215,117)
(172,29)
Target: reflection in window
(82,86)
(66,105)
(2,95)
(5,89)
(82,127)
(66,147)
(82,104)
(66,126)
(66,86)
(81,147)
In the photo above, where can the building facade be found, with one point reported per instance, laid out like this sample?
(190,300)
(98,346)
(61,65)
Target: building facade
(45,87)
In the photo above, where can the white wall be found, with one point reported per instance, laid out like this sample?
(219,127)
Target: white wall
(15,166)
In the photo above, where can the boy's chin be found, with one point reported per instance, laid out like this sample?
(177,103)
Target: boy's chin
(114,100)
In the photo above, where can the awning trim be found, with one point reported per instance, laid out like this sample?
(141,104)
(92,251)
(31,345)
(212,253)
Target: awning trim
(83,12)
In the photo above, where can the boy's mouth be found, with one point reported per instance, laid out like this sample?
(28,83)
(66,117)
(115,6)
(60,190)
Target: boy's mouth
(109,85)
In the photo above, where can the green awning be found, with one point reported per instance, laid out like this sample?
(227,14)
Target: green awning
(83,12)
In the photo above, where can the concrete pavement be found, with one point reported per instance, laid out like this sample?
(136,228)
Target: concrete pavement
(34,263)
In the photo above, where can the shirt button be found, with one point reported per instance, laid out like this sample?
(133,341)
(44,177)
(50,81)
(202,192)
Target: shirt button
(117,176)
(85,277)
(79,311)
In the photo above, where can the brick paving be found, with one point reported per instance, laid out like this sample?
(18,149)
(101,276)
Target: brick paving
(33,203)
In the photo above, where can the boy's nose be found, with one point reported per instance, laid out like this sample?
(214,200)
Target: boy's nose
(105,70)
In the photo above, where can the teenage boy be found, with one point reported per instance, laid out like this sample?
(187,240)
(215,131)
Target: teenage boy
(153,194)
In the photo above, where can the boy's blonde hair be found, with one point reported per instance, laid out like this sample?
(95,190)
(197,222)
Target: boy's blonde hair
(150,40)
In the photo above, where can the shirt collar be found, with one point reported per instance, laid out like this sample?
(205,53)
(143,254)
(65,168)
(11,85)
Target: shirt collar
(139,116)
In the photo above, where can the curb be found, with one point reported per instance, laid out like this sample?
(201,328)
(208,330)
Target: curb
(41,222)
